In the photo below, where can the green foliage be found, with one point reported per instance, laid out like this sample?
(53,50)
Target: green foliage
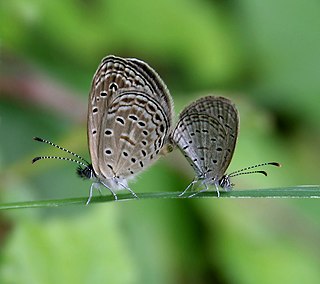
(263,55)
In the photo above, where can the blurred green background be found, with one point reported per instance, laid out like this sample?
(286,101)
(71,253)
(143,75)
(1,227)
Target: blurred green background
(264,55)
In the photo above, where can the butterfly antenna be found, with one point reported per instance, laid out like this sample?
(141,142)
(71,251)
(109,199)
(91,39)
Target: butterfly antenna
(58,158)
(244,170)
(60,148)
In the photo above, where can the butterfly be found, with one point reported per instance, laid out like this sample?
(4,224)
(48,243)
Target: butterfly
(206,133)
(129,122)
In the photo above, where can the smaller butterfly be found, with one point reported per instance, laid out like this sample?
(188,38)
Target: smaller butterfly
(206,133)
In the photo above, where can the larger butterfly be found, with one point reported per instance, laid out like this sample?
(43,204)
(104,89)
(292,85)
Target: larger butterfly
(206,133)
(129,122)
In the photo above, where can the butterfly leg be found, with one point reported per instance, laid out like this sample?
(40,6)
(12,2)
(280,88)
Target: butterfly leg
(129,189)
(190,185)
(93,185)
(206,189)
(216,184)
(200,191)
(113,193)
(99,189)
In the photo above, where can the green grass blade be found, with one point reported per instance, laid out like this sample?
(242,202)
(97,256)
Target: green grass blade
(307,191)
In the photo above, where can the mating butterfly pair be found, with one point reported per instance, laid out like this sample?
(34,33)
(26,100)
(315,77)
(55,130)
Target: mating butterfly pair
(130,118)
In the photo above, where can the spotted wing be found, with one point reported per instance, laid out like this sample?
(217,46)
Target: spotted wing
(114,76)
(153,85)
(201,138)
(222,128)
(134,129)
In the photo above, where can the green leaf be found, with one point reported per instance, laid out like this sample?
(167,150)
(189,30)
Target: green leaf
(305,191)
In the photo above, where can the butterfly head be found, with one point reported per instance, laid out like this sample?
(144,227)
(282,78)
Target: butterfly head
(225,182)
(86,172)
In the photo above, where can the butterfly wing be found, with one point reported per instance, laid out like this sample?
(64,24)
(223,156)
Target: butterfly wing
(153,84)
(109,77)
(201,138)
(213,126)
(134,129)
(115,77)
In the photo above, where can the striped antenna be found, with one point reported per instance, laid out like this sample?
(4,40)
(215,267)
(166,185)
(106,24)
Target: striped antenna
(244,170)
(87,172)
(59,158)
